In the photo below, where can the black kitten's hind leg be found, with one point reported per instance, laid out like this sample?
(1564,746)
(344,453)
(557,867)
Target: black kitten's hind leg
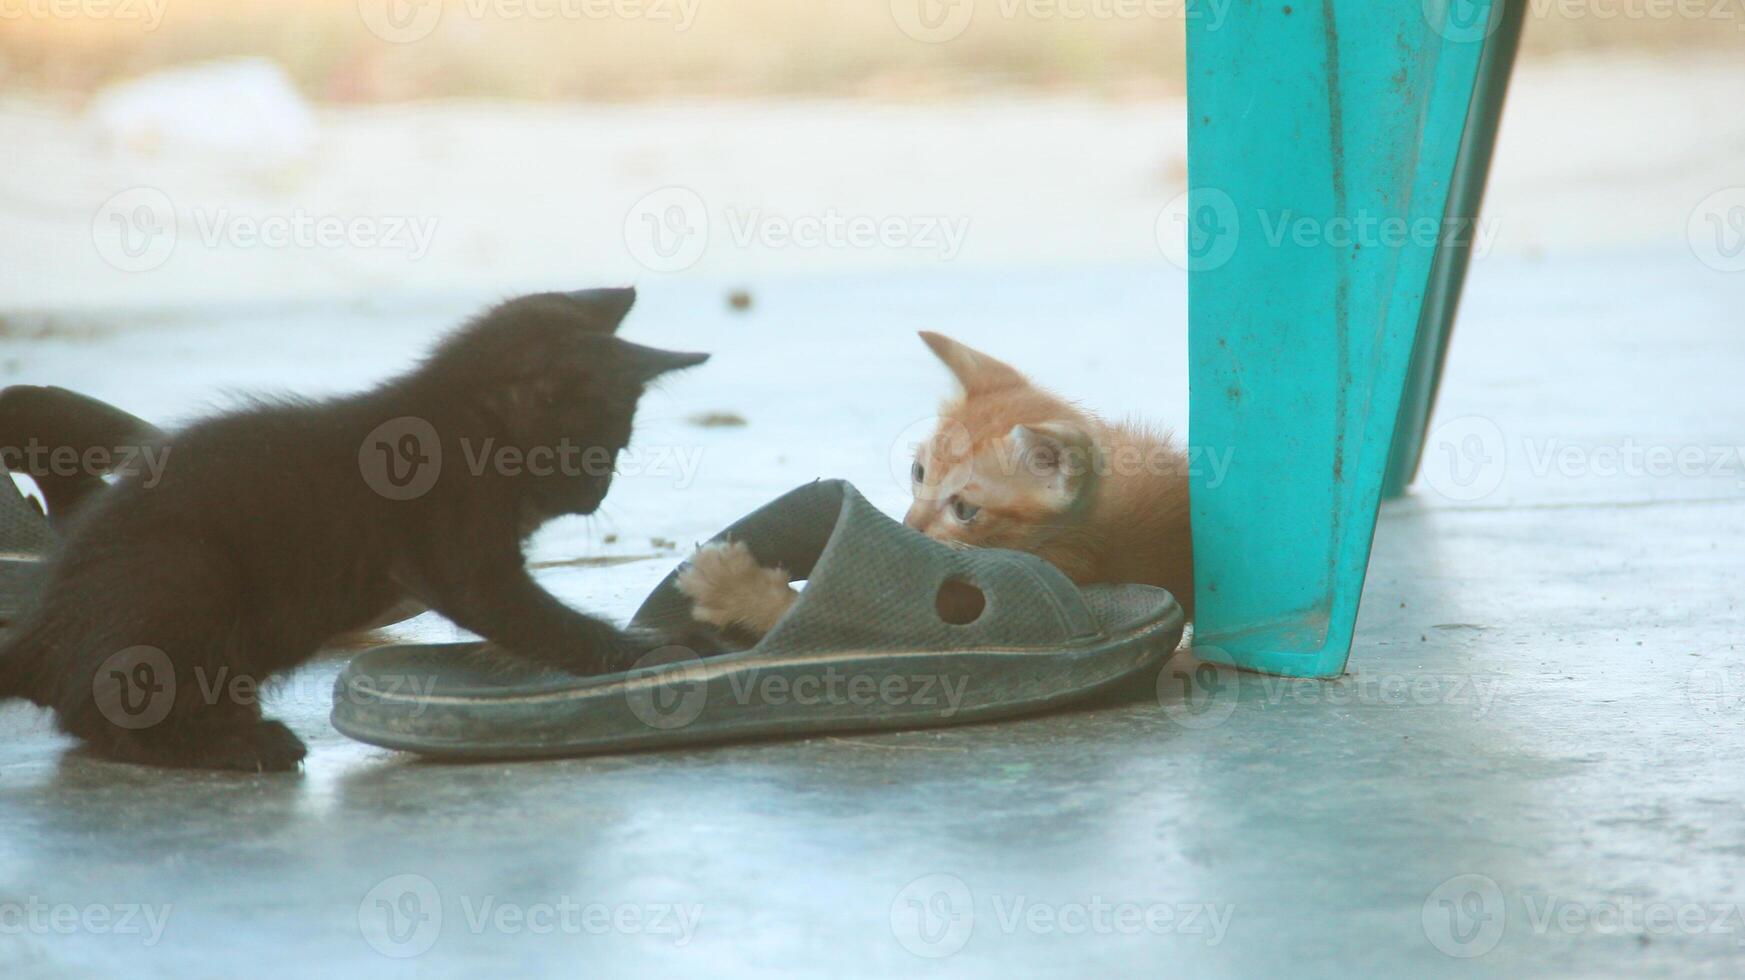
(182,689)
(205,728)
(235,743)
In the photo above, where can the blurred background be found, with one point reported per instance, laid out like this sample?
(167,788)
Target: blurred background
(212,196)
(200,198)
(179,152)
(386,51)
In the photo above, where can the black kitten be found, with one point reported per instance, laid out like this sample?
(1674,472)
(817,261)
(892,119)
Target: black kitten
(273,529)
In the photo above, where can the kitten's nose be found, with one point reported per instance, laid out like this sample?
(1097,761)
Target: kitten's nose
(916,517)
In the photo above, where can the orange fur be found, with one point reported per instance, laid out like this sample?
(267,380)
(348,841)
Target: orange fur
(1117,511)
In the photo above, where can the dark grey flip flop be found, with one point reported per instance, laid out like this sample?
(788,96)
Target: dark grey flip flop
(867,646)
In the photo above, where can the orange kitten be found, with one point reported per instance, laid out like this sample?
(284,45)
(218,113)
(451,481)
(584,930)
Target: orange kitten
(1010,466)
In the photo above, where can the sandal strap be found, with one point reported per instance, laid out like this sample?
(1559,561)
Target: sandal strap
(872,583)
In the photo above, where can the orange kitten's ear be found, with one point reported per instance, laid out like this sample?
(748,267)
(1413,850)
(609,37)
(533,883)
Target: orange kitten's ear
(1059,456)
(975,371)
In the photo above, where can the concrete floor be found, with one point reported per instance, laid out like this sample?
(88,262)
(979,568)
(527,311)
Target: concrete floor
(1532,767)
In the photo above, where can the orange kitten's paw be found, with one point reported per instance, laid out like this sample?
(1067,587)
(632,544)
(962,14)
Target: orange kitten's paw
(729,588)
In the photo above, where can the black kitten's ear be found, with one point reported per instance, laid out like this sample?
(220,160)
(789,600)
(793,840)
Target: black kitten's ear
(648,363)
(607,306)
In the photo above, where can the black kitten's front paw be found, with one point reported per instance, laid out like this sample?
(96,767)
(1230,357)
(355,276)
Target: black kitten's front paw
(256,746)
(266,746)
(608,650)
(651,648)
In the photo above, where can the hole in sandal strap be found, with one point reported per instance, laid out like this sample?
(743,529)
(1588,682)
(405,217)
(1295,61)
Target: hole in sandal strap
(959,603)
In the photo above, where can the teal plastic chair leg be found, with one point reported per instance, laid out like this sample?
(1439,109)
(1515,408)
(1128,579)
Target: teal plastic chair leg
(1325,138)
(1448,276)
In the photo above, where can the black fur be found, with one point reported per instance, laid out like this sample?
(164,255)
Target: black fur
(28,413)
(269,533)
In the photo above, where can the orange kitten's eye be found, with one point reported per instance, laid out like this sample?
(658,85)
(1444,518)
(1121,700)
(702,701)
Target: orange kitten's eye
(963,510)
(917,471)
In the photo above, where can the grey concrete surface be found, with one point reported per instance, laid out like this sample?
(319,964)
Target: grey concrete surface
(1532,768)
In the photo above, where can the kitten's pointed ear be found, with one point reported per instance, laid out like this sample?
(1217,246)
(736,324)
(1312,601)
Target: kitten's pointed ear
(607,306)
(648,363)
(1060,456)
(975,371)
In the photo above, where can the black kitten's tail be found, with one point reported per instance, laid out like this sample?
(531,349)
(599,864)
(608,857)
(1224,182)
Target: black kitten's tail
(20,672)
(11,676)
(41,425)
